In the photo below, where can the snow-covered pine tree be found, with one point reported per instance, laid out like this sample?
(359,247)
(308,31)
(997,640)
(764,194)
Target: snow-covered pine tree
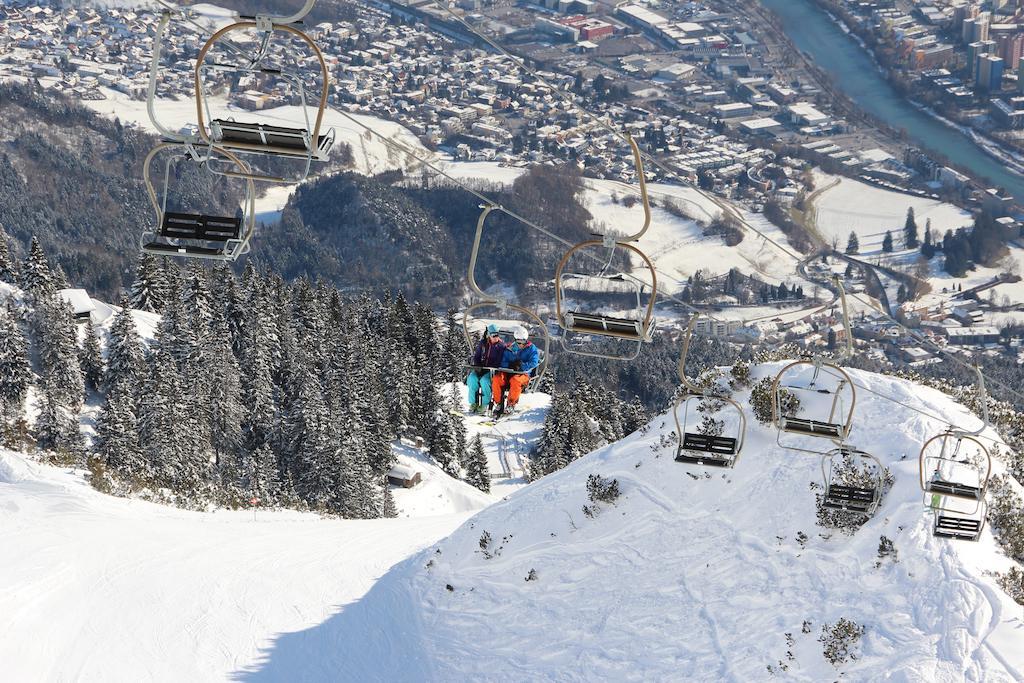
(634,416)
(314,447)
(426,399)
(117,441)
(224,398)
(15,371)
(56,346)
(455,350)
(126,365)
(227,296)
(57,431)
(149,290)
(427,343)
(36,275)
(163,430)
(8,266)
(551,451)
(257,386)
(476,466)
(359,495)
(442,441)
(90,358)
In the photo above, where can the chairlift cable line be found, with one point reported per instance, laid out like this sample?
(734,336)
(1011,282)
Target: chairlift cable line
(401,147)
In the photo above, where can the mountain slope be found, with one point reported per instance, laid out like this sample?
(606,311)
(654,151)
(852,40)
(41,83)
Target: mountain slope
(690,575)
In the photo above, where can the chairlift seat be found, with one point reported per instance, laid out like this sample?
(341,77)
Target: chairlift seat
(200,227)
(274,140)
(186,249)
(850,498)
(625,328)
(709,459)
(799,425)
(707,443)
(957,527)
(950,488)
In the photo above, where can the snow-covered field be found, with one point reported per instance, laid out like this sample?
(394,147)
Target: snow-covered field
(690,575)
(677,245)
(854,206)
(96,588)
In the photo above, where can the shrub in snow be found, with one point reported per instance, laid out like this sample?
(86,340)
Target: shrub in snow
(532,576)
(839,642)
(602,490)
(886,550)
(761,399)
(1006,515)
(1013,583)
(851,472)
(739,375)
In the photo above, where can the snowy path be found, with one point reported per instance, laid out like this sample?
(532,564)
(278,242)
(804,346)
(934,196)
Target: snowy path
(95,588)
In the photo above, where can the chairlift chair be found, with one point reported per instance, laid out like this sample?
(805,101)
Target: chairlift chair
(308,143)
(196,235)
(637,327)
(694,447)
(838,423)
(502,306)
(954,469)
(849,497)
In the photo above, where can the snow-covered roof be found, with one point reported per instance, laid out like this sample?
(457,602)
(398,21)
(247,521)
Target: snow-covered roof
(78,299)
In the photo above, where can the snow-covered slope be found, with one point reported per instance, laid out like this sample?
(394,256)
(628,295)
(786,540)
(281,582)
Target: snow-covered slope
(690,575)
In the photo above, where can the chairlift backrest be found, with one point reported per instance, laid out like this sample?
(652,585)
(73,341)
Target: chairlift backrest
(196,235)
(260,138)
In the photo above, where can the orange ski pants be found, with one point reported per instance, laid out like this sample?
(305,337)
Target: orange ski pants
(515,383)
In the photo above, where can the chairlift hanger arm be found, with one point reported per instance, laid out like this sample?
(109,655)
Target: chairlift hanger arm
(486,210)
(848,342)
(681,367)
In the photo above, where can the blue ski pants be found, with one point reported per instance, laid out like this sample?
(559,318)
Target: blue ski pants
(479,384)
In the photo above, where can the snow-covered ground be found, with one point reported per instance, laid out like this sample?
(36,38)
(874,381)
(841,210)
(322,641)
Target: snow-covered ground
(854,206)
(96,588)
(690,575)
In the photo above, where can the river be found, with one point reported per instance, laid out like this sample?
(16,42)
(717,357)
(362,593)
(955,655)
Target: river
(853,71)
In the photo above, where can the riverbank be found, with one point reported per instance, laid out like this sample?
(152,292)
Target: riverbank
(992,147)
(851,69)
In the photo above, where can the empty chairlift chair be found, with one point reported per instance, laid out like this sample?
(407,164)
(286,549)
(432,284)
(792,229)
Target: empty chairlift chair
(829,381)
(308,143)
(196,235)
(695,446)
(955,468)
(857,488)
(503,310)
(635,325)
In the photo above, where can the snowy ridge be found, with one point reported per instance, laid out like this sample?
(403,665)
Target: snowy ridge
(690,575)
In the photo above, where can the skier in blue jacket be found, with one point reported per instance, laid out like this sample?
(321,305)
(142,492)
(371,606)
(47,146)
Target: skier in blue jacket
(521,356)
(489,353)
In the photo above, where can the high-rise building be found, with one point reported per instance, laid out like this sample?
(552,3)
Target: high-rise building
(990,73)
(975,50)
(981,26)
(1010,47)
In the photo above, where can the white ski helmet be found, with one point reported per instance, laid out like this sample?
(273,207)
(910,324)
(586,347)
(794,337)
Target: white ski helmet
(519,333)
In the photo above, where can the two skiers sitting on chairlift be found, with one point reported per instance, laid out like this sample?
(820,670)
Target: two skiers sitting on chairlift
(521,357)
